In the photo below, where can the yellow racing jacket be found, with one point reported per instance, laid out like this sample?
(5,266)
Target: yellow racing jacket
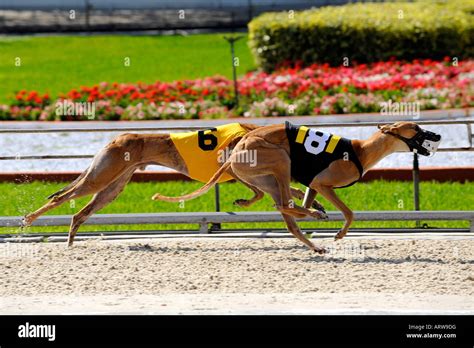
(204,151)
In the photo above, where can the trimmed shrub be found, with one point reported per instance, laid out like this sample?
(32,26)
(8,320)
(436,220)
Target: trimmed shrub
(364,32)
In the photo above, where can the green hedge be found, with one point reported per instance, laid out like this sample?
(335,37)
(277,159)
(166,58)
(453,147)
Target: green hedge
(364,32)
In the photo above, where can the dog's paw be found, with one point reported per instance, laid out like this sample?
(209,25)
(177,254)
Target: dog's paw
(26,221)
(324,216)
(318,214)
(318,206)
(241,202)
(340,234)
(319,250)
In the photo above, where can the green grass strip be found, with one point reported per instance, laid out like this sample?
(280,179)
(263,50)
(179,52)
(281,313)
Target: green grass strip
(19,199)
(58,64)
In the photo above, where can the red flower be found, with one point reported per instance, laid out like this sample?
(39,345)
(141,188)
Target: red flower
(135,95)
(73,94)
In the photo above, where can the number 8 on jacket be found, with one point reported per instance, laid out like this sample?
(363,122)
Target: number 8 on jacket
(318,137)
(312,151)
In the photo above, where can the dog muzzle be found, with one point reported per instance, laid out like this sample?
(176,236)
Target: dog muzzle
(431,146)
(423,143)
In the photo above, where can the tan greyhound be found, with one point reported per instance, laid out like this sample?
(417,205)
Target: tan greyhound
(317,159)
(195,154)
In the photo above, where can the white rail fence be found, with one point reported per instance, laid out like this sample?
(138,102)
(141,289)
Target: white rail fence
(206,220)
(210,221)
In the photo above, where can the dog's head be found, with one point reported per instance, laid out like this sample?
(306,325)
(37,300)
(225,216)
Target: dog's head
(416,139)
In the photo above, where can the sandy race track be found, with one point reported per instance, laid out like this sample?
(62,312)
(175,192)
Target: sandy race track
(217,276)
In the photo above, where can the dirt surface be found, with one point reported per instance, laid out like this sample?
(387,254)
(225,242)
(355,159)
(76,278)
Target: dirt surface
(439,272)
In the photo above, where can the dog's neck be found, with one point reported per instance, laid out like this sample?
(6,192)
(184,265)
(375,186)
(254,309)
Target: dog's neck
(377,147)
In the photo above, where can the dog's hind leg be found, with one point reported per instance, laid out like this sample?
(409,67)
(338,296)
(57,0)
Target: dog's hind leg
(53,203)
(295,230)
(258,194)
(281,178)
(297,193)
(100,200)
(290,211)
(269,184)
(107,166)
(64,189)
(288,206)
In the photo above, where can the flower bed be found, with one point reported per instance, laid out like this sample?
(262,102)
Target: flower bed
(313,90)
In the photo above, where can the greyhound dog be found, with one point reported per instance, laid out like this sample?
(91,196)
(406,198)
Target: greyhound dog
(319,160)
(195,154)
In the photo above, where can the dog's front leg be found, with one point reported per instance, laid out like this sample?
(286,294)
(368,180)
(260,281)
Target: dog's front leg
(308,198)
(328,193)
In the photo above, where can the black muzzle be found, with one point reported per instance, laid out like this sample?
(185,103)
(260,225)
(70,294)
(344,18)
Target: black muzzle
(423,143)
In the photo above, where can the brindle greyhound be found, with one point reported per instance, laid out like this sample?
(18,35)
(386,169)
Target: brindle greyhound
(108,174)
(272,174)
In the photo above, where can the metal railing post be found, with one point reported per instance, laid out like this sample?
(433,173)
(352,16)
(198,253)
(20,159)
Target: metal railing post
(416,184)
(88,8)
(469,134)
(249,10)
(203,228)
(217,197)
(217,200)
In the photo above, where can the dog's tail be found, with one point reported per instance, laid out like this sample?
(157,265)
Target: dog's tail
(198,192)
